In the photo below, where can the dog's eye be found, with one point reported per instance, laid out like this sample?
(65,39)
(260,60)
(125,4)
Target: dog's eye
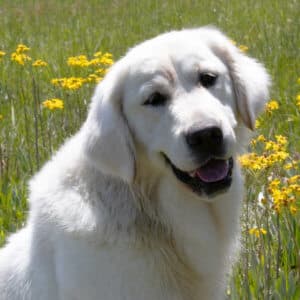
(208,79)
(156,99)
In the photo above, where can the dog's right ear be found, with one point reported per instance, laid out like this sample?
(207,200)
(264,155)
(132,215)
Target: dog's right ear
(107,141)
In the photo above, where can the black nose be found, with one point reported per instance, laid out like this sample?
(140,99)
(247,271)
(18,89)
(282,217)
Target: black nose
(207,141)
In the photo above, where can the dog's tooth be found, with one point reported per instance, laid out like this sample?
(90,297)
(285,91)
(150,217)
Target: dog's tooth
(193,173)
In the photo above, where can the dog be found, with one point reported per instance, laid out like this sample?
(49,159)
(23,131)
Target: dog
(143,202)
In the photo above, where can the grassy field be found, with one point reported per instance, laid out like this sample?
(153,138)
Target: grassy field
(269,264)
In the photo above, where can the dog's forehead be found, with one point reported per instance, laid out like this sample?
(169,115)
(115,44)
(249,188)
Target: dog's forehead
(171,53)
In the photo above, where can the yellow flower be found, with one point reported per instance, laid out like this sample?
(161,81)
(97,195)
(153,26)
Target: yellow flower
(253,231)
(298,100)
(78,61)
(278,146)
(288,166)
(284,193)
(1,117)
(260,138)
(56,81)
(257,231)
(293,209)
(293,179)
(257,124)
(94,78)
(39,63)
(106,59)
(243,48)
(281,140)
(98,54)
(253,161)
(22,48)
(274,183)
(263,231)
(20,58)
(101,71)
(2,53)
(272,105)
(71,83)
(281,155)
(100,60)
(274,152)
(83,61)
(270,145)
(54,103)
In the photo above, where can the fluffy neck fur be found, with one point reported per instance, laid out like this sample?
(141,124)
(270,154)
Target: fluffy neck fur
(168,227)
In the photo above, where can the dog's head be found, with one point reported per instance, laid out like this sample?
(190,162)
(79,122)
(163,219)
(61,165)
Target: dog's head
(179,102)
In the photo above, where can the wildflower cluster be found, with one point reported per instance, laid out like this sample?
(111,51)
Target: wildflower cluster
(274,152)
(54,103)
(257,231)
(272,160)
(71,83)
(84,71)
(20,55)
(283,192)
(39,63)
(100,61)
(2,53)
(272,105)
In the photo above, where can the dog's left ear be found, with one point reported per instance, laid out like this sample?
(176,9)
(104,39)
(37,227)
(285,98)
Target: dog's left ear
(250,79)
(107,141)
(251,85)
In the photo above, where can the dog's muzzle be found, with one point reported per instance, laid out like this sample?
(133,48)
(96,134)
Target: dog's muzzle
(214,174)
(211,178)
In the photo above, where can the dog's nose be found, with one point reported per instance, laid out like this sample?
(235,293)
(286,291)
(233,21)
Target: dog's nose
(208,140)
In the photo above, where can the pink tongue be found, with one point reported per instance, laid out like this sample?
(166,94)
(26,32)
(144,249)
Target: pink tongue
(214,170)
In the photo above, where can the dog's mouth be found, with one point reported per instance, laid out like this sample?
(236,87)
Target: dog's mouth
(212,177)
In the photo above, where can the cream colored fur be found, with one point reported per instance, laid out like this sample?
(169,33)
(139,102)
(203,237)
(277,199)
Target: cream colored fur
(108,219)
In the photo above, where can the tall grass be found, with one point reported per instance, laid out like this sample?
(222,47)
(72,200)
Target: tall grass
(269,263)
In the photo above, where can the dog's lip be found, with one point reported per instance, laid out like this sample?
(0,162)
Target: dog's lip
(212,176)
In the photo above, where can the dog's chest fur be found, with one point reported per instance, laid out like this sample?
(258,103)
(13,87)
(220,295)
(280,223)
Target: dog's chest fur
(138,257)
(118,272)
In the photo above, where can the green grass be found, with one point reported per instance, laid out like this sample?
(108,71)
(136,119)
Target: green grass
(269,265)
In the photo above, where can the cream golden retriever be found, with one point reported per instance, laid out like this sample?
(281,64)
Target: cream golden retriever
(143,202)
